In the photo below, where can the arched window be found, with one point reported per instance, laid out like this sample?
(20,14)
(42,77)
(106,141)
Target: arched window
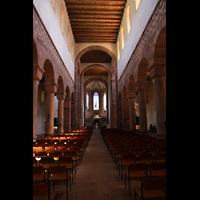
(104,101)
(96,101)
(137,2)
(68,39)
(53,3)
(87,101)
(118,52)
(62,17)
(122,36)
(128,19)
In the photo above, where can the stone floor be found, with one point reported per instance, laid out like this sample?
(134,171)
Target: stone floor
(97,177)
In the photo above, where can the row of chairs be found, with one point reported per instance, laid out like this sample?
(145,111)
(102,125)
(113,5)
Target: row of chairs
(146,161)
(56,163)
(54,174)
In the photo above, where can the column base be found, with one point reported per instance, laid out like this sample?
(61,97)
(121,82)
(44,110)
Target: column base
(49,134)
(34,138)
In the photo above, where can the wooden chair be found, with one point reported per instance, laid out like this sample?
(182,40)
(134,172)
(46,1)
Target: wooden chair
(126,159)
(41,192)
(160,157)
(151,188)
(135,171)
(145,158)
(47,161)
(39,174)
(69,164)
(157,169)
(35,149)
(59,174)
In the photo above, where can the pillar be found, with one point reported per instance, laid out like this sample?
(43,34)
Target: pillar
(160,101)
(61,97)
(113,103)
(125,113)
(67,119)
(157,72)
(37,76)
(131,102)
(50,89)
(141,87)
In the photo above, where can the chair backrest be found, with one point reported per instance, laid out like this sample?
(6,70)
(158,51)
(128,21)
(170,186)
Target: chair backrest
(57,169)
(38,169)
(62,148)
(49,148)
(54,153)
(47,160)
(63,160)
(154,183)
(35,149)
(40,189)
(40,153)
(137,166)
(145,156)
(129,157)
(158,165)
(69,153)
(160,156)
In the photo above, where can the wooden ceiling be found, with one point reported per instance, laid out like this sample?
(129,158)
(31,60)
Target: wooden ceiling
(95,20)
(95,56)
(96,71)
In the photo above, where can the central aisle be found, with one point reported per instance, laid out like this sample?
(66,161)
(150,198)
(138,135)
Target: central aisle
(97,178)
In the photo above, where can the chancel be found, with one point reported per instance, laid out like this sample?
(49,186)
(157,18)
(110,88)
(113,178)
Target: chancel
(99,95)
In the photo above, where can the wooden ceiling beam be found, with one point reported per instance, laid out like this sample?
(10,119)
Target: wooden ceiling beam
(94,7)
(86,31)
(95,20)
(86,12)
(86,16)
(98,24)
(94,34)
(96,2)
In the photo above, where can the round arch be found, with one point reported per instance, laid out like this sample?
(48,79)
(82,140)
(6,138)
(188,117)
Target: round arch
(95,47)
(60,88)
(95,66)
(142,70)
(131,86)
(49,71)
(160,48)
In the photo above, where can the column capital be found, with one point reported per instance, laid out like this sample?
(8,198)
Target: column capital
(141,85)
(50,87)
(37,72)
(131,95)
(157,70)
(61,95)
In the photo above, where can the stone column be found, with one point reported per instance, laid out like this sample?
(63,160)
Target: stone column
(160,101)
(37,76)
(50,89)
(60,97)
(131,102)
(113,103)
(141,87)
(157,72)
(125,113)
(67,114)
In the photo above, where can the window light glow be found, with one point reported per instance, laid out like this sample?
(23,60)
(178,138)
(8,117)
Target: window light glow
(122,35)
(137,2)
(128,19)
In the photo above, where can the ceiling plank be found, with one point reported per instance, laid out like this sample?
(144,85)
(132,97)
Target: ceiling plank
(94,7)
(96,2)
(87,16)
